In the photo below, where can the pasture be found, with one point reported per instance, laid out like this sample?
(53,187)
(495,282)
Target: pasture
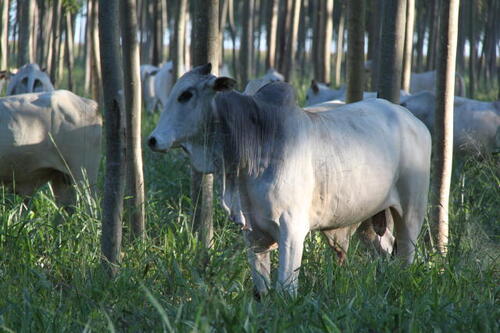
(51,277)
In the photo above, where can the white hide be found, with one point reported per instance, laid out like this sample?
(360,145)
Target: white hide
(50,136)
(148,76)
(327,170)
(475,123)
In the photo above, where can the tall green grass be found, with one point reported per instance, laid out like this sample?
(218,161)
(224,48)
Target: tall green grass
(51,278)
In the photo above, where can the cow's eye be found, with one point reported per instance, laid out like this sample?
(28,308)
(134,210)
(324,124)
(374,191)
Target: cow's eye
(185,96)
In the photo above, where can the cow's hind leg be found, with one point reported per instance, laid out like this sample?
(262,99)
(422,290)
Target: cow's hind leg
(407,229)
(338,239)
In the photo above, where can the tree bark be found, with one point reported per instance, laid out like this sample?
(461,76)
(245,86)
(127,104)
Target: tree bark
(408,46)
(25,45)
(377,13)
(246,43)
(69,50)
(114,182)
(328,31)
(292,42)
(472,49)
(391,51)
(157,34)
(355,50)
(443,128)
(180,32)
(272,28)
(340,48)
(133,100)
(56,36)
(206,49)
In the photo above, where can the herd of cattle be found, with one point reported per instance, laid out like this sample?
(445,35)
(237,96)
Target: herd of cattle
(286,170)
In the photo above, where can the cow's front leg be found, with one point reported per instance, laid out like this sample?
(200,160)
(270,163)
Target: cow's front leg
(259,258)
(291,246)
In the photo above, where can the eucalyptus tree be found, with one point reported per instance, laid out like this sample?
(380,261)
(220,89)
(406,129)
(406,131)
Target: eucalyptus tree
(355,50)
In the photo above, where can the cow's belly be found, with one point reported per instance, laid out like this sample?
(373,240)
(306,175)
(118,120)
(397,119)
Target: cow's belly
(26,165)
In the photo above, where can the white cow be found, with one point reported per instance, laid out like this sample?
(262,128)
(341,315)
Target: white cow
(29,78)
(299,171)
(163,83)
(254,85)
(426,81)
(475,126)
(50,136)
(321,92)
(148,76)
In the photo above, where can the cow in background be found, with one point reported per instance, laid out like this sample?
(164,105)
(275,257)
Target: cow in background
(29,78)
(49,137)
(148,76)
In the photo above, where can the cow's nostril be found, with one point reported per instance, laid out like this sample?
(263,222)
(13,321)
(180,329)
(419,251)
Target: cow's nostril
(152,142)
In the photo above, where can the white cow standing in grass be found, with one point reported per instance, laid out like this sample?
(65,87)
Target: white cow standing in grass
(29,78)
(476,124)
(49,137)
(299,171)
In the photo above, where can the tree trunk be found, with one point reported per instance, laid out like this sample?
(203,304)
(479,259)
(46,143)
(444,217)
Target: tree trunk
(408,46)
(355,50)
(56,36)
(4,33)
(69,50)
(157,34)
(472,49)
(271,34)
(340,48)
(132,89)
(25,50)
(328,31)
(443,128)
(420,38)
(180,32)
(391,51)
(292,42)
(97,81)
(377,13)
(114,181)
(206,49)
(88,49)
(246,43)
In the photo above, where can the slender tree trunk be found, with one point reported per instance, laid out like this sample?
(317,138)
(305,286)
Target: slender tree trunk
(443,128)
(222,27)
(391,51)
(132,89)
(114,182)
(4,32)
(472,49)
(25,51)
(462,34)
(69,50)
(420,39)
(355,50)
(206,49)
(377,13)
(340,49)
(157,34)
(246,43)
(408,46)
(271,34)
(328,31)
(292,42)
(42,23)
(96,59)
(56,36)
(88,49)
(178,46)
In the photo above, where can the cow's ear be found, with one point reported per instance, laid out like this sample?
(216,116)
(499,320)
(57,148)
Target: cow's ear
(314,86)
(223,83)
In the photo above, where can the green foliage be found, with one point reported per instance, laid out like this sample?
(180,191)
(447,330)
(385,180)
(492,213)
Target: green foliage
(51,278)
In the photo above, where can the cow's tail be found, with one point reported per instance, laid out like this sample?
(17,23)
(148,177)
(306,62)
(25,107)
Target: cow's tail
(460,84)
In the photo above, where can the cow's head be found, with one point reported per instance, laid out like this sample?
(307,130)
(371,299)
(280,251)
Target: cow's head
(187,119)
(422,105)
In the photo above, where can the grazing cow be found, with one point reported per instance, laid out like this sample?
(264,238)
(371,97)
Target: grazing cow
(475,123)
(299,171)
(28,79)
(49,136)
(321,92)
(148,75)
(426,81)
